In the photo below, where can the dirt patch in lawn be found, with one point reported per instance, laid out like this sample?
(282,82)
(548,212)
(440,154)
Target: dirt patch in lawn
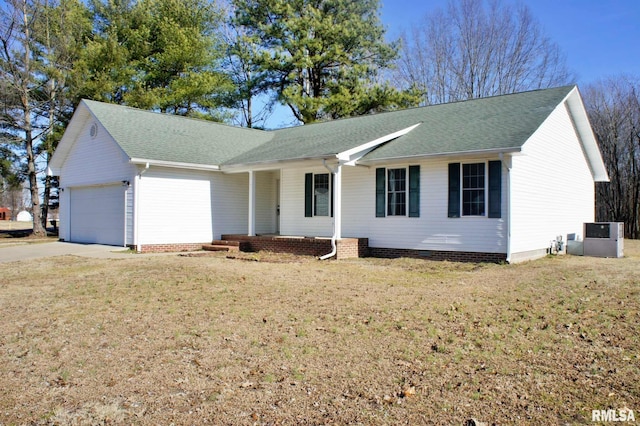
(193,340)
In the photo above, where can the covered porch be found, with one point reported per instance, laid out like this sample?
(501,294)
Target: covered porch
(277,221)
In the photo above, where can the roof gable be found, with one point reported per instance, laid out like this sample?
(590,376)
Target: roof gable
(168,139)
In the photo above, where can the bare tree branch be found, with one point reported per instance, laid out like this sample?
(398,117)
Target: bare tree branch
(479,48)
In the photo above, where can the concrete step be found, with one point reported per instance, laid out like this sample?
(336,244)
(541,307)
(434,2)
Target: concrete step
(226,243)
(220,247)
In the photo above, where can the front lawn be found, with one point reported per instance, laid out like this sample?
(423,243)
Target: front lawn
(290,340)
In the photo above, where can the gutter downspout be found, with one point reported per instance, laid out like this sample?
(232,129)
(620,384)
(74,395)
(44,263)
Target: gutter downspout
(508,167)
(337,209)
(136,202)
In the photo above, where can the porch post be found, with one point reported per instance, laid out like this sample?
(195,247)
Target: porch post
(252,204)
(337,202)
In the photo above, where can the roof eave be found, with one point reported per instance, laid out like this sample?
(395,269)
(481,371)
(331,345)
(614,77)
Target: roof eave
(453,154)
(582,125)
(174,164)
(274,164)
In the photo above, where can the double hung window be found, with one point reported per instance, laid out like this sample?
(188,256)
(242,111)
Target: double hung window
(321,194)
(398,191)
(475,189)
(317,194)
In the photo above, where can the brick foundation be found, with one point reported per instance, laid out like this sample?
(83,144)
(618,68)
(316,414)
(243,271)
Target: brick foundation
(452,256)
(166,248)
(347,247)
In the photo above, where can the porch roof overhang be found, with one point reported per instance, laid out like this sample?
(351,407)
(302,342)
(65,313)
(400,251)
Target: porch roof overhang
(349,157)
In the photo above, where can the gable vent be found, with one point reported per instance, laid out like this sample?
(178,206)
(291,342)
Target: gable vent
(93,131)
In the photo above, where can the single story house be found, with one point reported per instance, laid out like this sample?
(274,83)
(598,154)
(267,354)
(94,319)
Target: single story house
(495,179)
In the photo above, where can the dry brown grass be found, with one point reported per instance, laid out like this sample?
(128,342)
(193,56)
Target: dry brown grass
(19,233)
(192,340)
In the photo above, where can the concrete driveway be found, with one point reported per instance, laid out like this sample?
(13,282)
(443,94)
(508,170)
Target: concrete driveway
(13,253)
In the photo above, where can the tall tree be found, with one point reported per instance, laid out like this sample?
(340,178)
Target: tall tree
(60,34)
(21,87)
(614,111)
(157,54)
(322,57)
(249,79)
(479,48)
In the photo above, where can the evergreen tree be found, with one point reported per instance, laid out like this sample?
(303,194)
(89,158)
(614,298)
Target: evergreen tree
(157,54)
(323,57)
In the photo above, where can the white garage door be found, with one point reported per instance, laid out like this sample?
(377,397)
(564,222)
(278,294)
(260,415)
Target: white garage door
(97,215)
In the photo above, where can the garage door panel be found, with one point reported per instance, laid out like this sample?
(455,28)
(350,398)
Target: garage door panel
(97,215)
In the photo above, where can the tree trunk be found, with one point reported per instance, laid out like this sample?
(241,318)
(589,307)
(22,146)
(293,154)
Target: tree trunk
(38,229)
(32,174)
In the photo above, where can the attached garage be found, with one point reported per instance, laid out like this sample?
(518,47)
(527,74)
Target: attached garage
(97,214)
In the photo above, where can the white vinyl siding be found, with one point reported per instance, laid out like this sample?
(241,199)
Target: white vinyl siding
(174,207)
(551,185)
(94,161)
(292,219)
(231,204)
(90,163)
(129,216)
(433,230)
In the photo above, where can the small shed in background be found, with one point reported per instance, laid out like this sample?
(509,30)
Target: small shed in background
(5,213)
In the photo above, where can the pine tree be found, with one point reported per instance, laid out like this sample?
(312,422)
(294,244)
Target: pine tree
(323,57)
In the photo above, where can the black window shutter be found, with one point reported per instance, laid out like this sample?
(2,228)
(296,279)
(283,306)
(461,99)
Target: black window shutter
(380,191)
(331,192)
(308,195)
(414,191)
(454,190)
(495,189)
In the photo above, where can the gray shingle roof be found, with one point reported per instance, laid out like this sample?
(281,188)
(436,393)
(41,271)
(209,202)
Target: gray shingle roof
(496,123)
(163,137)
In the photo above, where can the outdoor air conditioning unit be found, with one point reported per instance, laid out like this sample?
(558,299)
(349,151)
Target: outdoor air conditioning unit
(604,239)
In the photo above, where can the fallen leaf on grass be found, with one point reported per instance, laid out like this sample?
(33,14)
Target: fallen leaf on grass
(408,392)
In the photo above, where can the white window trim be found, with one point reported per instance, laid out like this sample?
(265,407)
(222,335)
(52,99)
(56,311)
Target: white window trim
(486,189)
(406,191)
(329,195)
